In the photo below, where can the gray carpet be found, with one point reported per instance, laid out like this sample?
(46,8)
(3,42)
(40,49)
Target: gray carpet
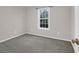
(35,44)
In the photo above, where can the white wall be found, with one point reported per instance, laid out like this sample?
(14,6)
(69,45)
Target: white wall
(19,20)
(11,22)
(60,23)
(76,10)
(73,23)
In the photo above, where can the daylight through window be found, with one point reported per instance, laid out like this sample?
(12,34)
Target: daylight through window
(44,17)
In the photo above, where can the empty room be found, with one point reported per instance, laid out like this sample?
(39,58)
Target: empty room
(39,29)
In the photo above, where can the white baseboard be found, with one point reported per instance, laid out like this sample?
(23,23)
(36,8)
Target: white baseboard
(31,34)
(73,45)
(11,37)
(50,37)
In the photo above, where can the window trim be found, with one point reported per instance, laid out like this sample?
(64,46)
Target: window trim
(44,18)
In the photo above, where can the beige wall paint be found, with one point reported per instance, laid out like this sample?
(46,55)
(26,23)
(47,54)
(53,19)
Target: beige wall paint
(60,23)
(11,22)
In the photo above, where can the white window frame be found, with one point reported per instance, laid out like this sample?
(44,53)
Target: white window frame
(44,18)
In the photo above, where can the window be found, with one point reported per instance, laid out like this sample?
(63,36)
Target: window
(43,18)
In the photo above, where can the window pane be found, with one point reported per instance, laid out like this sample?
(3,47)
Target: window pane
(41,21)
(41,25)
(41,14)
(44,13)
(46,25)
(46,21)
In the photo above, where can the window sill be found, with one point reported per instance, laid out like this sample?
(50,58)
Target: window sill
(43,28)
